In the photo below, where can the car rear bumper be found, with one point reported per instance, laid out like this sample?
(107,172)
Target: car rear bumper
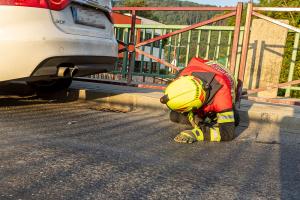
(86,65)
(31,45)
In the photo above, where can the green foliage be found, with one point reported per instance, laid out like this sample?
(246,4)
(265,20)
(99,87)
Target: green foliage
(134,3)
(137,3)
(293,17)
(178,18)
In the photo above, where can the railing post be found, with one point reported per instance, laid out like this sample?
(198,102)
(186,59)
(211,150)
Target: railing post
(143,48)
(170,47)
(125,53)
(164,31)
(239,10)
(178,49)
(188,48)
(293,63)
(151,51)
(208,45)
(198,43)
(242,67)
(216,57)
(228,49)
(132,42)
(245,42)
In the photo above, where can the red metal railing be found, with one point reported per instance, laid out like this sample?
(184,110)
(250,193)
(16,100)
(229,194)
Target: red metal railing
(234,11)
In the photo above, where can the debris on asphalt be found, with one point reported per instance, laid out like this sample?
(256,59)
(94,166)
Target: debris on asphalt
(72,122)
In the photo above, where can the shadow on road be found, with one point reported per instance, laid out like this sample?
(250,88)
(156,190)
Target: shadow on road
(279,132)
(290,162)
(102,155)
(20,94)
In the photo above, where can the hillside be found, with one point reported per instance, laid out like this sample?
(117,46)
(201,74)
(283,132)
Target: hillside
(180,18)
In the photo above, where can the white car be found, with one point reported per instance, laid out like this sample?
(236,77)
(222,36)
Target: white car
(47,42)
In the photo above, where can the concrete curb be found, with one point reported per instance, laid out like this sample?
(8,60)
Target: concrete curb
(124,102)
(261,122)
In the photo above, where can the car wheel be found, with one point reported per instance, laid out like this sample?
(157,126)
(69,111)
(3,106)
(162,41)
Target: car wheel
(51,88)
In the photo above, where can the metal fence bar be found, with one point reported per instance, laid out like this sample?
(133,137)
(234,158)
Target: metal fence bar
(293,63)
(143,49)
(209,21)
(204,8)
(274,21)
(125,53)
(239,55)
(208,44)
(228,48)
(157,59)
(280,85)
(218,45)
(160,50)
(118,36)
(170,48)
(198,43)
(236,35)
(188,48)
(151,50)
(132,41)
(274,9)
(246,39)
(178,49)
(245,43)
(177,27)
(273,101)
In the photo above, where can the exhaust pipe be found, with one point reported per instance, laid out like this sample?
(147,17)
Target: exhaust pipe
(73,71)
(63,71)
(67,71)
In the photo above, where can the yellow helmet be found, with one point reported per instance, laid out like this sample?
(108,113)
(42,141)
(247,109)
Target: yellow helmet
(184,94)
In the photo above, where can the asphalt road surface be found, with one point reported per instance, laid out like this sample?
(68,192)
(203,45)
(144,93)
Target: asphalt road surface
(70,150)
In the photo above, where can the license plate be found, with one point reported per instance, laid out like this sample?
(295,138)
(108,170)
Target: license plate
(88,16)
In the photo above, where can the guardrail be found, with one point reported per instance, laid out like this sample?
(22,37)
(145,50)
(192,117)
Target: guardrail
(174,46)
(210,42)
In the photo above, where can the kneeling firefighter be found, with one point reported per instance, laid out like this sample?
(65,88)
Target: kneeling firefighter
(203,95)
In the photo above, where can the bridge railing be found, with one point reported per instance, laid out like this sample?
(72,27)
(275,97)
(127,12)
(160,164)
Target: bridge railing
(161,50)
(209,42)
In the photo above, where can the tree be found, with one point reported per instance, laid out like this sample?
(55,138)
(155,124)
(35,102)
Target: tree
(137,3)
(134,3)
(294,18)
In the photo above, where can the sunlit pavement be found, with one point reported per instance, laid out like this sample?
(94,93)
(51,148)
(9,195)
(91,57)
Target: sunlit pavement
(69,150)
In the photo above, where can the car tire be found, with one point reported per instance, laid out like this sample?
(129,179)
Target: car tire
(52,88)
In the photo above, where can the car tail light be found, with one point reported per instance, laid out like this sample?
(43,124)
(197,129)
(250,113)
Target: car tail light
(50,4)
(58,4)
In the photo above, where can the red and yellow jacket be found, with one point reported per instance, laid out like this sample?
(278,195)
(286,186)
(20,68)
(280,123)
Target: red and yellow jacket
(218,106)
